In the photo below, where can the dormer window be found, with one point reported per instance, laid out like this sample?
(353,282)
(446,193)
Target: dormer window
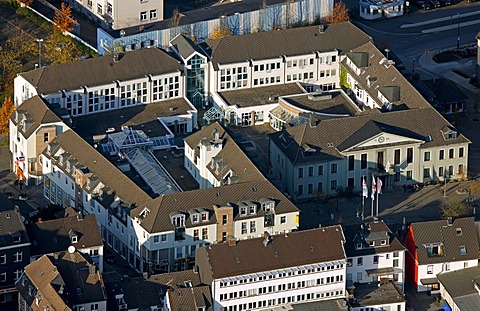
(74,239)
(252,209)
(144,213)
(459,231)
(73,236)
(204,216)
(195,218)
(372,243)
(463,250)
(68,167)
(178,221)
(243,211)
(434,250)
(383,242)
(89,184)
(359,245)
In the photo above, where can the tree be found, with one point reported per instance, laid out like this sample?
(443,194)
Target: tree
(26,2)
(474,188)
(60,49)
(221,32)
(5,113)
(63,18)
(339,14)
(175,19)
(456,210)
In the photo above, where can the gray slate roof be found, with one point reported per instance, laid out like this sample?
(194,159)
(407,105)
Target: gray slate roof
(442,91)
(36,113)
(295,41)
(11,224)
(106,172)
(461,286)
(158,220)
(310,247)
(410,123)
(53,235)
(101,70)
(440,232)
(185,46)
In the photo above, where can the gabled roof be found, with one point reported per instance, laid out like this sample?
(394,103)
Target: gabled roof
(54,235)
(36,113)
(101,70)
(11,224)
(283,251)
(185,46)
(106,172)
(462,286)
(443,91)
(439,232)
(158,219)
(360,59)
(371,228)
(329,141)
(290,42)
(383,74)
(194,298)
(231,157)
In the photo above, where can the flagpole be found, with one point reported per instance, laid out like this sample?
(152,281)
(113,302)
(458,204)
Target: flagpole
(373,195)
(378,185)
(363,196)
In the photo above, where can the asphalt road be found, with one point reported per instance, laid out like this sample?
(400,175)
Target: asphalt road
(432,30)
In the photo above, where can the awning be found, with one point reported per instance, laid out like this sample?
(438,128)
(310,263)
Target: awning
(380,271)
(429,281)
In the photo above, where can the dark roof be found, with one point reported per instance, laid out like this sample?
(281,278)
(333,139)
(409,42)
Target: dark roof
(137,293)
(386,78)
(194,298)
(158,220)
(54,235)
(106,172)
(101,70)
(231,157)
(443,91)
(329,141)
(333,102)
(176,279)
(435,232)
(257,96)
(309,247)
(295,41)
(354,232)
(71,272)
(11,224)
(140,117)
(460,282)
(374,294)
(185,46)
(360,59)
(35,112)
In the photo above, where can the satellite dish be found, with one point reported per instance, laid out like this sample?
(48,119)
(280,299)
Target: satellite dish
(71,249)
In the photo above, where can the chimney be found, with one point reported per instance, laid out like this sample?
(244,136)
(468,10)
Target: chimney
(231,240)
(92,269)
(449,221)
(321,28)
(267,238)
(145,276)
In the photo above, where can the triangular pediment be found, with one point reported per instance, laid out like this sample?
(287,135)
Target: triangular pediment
(384,139)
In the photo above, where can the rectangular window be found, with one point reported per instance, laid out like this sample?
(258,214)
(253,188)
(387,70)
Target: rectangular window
(143,16)
(375,259)
(333,185)
(440,171)
(45,137)
(320,187)
(450,170)
(99,9)
(396,158)
(205,234)
(426,156)
(224,220)
(351,163)
(310,188)
(253,228)
(360,261)
(300,189)
(430,269)
(310,171)
(320,170)
(426,172)
(244,227)
(333,168)
(460,152)
(300,172)
(283,219)
(363,164)
(409,175)
(409,155)
(153,14)
(441,155)
(451,153)
(196,234)
(395,263)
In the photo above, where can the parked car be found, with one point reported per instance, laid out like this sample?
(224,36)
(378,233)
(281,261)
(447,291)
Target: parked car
(423,5)
(445,2)
(435,4)
(472,51)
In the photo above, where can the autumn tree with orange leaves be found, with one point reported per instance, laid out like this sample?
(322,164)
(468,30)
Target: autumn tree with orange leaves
(5,113)
(339,14)
(63,18)
(26,2)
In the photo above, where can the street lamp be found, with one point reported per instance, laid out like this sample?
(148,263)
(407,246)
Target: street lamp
(413,68)
(39,41)
(458,31)
(387,51)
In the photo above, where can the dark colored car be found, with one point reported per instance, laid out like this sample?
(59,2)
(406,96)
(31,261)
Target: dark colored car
(445,2)
(423,5)
(435,4)
(472,51)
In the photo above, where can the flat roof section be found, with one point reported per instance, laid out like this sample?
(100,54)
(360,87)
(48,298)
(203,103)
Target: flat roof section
(259,96)
(141,117)
(172,161)
(334,102)
(372,294)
